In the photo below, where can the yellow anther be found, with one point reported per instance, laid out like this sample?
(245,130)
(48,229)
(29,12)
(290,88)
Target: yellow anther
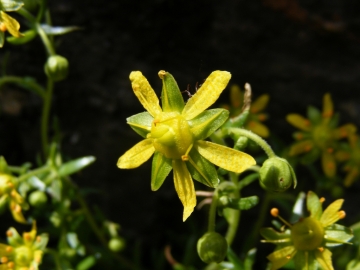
(10,185)
(27,236)
(38,239)
(11,265)
(274,212)
(4,259)
(330,165)
(307,147)
(321,249)
(322,199)
(342,214)
(185,157)
(9,249)
(161,74)
(17,209)
(288,257)
(307,123)
(9,233)
(156,121)
(330,150)
(13,193)
(3,27)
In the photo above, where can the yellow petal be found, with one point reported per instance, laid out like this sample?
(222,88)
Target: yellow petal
(301,147)
(12,25)
(225,157)
(344,131)
(331,213)
(258,128)
(184,187)
(16,212)
(328,107)
(324,259)
(137,155)
(351,176)
(145,93)
(208,93)
(259,104)
(299,121)
(281,257)
(328,164)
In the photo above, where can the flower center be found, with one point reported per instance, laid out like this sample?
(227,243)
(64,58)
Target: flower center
(322,136)
(171,135)
(307,234)
(23,256)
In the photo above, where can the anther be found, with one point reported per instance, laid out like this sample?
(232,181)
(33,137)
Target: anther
(17,209)
(274,212)
(185,157)
(288,257)
(9,233)
(321,249)
(342,214)
(307,148)
(156,121)
(11,265)
(38,239)
(3,27)
(9,249)
(10,185)
(4,259)
(322,199)
(330,150)
(27,236)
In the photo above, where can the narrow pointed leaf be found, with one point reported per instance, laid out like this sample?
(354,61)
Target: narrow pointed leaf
(208,93)
(145,93)
(161,167)
(207,122)
(225,157)
(137,155)
(314,205)
(75,165)
(141,123)
(331,213)
(184,187)
(202,170)
(171,98)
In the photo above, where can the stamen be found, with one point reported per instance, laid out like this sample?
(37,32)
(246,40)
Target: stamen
(9,233)
(307,147)
(288,257)
(9,249)
(4,259)
(342,214)
(330,150)
(11,265)
(275,213)
(156,121)
(17,209)
(185,157)
(321,249)
(3,27)
(322,199)
(38,239)
(27,236)
(10,185)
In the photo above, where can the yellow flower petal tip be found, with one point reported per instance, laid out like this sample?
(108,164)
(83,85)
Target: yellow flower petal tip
(187,212)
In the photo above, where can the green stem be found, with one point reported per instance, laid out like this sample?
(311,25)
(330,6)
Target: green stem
(34,172)
(235,214)
(212,212)
(56,256)
(45,116)
(252,136)
(25,83)
(45,39)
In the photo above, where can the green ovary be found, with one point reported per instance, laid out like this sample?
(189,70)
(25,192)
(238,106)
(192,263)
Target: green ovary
(23,256)
(171,135)
(307,234)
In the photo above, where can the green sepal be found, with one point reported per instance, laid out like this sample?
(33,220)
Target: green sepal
(203,125)
(75,165)
(314,115)
(308,262)
(238,121)
(3,166)
(27,37)
(341,233)
(14,239)
(202,170)
(272,235)
(140,123)
(11,5)
(235,260)
(161,167)
(239,204)
(171,98)
(314,205)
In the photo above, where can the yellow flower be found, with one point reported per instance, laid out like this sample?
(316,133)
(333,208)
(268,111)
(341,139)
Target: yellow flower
(8,23)
(9,195)
(307,241)
(23,253)
(319,135)
(175,135)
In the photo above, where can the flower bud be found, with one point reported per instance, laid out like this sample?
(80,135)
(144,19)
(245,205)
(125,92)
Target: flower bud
(212,247)
(116,244)
(56,67)
(37,198)
(276,174)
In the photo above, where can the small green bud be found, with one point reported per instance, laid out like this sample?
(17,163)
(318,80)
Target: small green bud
(276,174)
(37,198)
(212,247)
(116,244)
(56,67)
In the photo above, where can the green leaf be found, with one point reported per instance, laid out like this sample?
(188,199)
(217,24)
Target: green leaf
(86,263)
(3,165)
(27,37)
(314,115)
(250,259)
(240,204)
(141,123)
(11,5)
(202,170)
(171,98)
(353,265)
(337,234)
(75,165)
(203,125)
(58,30)
(235,260)
(271,234)
(161,167)
(314,205)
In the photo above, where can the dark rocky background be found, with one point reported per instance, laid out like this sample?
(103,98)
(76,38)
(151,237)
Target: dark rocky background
(294,50)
